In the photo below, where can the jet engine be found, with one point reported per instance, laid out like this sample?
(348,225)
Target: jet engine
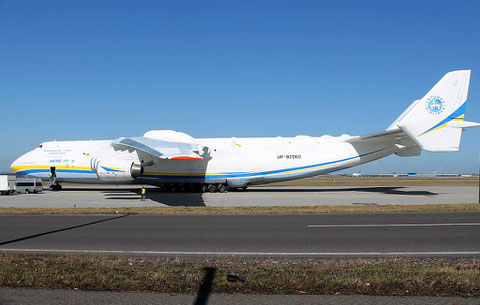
(116,170)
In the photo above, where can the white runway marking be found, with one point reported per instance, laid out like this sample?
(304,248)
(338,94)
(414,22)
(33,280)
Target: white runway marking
(213,253)
(465,224)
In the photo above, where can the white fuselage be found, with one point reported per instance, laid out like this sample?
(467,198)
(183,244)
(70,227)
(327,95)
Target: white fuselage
(235,161)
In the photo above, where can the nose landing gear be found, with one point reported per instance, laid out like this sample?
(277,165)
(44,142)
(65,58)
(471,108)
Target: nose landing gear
(53,184)
(56,187)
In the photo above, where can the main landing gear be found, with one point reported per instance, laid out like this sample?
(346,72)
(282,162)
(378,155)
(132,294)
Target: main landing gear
(196,188)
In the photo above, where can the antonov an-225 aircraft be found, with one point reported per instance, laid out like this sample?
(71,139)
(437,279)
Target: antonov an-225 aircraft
(178,162)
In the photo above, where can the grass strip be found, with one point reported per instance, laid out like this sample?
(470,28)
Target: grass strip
(250,210)
(391,276)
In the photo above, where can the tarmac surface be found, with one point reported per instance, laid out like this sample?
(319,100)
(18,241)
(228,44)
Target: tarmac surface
(321,235)
(126,196)
(14,296)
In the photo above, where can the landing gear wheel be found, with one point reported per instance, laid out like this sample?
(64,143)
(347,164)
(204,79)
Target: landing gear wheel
(197,188)
(172,188)
(56,187)
(222,188)
(212,188)
(192,188)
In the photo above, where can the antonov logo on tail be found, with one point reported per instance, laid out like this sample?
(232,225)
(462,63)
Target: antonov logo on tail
(177,161)
(435,105)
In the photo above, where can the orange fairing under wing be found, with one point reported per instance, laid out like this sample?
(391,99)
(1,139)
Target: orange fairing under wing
(161,149)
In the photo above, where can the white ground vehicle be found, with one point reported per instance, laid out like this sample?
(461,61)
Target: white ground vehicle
(7,184)
(26,186)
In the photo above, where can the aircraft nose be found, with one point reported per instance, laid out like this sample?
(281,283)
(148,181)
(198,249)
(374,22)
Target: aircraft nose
(17,164)
(14,165)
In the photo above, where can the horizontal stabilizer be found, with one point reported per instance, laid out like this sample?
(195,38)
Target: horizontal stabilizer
(390,136)
(406,146)
(463,124)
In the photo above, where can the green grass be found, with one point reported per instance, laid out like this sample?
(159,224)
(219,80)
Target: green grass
(392,276)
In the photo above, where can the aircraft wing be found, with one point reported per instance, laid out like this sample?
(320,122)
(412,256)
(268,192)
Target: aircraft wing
(161,149)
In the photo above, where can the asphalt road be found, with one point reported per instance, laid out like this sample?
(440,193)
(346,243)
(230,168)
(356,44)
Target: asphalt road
(127,196)
(327,235)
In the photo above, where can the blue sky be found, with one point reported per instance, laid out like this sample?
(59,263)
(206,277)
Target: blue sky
(105,69)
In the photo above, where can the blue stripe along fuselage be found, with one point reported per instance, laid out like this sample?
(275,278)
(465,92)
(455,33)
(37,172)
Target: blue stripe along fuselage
(47,170)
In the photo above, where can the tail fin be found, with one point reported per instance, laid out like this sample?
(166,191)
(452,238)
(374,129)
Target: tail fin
(436,122)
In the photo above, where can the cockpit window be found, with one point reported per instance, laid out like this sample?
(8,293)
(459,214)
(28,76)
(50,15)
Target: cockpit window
(40,146)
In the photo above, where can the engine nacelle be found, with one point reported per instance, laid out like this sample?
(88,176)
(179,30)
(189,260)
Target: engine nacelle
(116,170)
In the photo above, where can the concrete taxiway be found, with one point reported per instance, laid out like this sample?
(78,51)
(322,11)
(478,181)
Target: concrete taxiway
(123,196)
(323,235)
